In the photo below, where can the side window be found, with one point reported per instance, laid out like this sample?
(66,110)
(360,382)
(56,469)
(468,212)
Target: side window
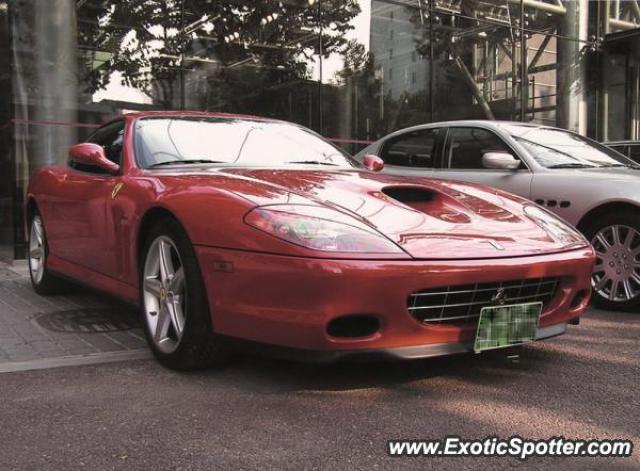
(624,150)
(110,137)
(633,152)
(413,149)
(468,145)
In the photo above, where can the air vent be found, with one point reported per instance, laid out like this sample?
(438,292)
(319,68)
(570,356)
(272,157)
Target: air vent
(408,194)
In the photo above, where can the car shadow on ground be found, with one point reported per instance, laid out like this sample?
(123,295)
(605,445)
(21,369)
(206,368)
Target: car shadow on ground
(539,358)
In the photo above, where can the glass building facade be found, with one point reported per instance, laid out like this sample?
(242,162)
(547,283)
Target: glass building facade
(353,70)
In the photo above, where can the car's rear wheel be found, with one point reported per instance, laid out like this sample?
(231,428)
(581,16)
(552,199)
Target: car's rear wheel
(42,280)
(616,275)
(175,309)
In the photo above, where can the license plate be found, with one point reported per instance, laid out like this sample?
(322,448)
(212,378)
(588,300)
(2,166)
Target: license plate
(504,326)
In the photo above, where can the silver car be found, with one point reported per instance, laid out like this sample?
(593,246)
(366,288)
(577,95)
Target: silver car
(589,185)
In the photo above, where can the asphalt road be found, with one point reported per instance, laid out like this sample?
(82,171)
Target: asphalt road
(268,414)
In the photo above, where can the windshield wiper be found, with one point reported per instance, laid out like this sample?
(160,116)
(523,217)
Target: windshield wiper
(621,165)
(572,165)
(192,161)
(315,162)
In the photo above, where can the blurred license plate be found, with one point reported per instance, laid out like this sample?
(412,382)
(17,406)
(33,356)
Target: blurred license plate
(504,326)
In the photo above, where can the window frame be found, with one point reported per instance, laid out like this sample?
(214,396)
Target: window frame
(436,151)
(445,162)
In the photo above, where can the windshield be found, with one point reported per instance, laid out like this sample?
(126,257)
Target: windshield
(183,140)
(555,148)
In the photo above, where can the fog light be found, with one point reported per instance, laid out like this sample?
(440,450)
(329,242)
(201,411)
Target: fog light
(360,325)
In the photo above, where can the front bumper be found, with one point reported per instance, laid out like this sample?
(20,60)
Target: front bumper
(288,301)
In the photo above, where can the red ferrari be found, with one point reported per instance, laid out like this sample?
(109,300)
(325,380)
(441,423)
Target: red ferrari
(230,230)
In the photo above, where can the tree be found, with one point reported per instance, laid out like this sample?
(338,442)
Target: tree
(152,42)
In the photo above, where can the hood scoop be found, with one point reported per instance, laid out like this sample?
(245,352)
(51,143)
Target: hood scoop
(411,196)
(428,202)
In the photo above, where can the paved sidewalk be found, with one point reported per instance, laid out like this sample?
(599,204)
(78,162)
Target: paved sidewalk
(82,324)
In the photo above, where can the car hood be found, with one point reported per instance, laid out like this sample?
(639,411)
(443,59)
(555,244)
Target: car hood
(429,219)
(605,174)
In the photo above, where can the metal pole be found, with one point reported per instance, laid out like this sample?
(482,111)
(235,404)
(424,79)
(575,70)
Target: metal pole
(524,75)
(603,105)
(571,74)
(473,86)
(182,89)
(320,107)
(431,67)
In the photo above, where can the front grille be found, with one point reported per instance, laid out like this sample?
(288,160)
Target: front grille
(461,305)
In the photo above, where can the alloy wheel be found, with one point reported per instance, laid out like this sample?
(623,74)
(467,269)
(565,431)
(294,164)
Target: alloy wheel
(36,250)
(164,294)
(616,275)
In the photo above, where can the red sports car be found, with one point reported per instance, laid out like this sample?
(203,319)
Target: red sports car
(231,230)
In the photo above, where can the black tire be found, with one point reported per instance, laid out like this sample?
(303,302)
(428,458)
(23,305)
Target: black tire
(627,219)
(45,283)
(198,346)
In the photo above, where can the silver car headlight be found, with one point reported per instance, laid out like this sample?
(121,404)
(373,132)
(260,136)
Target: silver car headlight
(555,227)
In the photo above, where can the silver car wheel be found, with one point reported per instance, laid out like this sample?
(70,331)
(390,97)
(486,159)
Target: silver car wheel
(36,250)
(164,294)
(616,275)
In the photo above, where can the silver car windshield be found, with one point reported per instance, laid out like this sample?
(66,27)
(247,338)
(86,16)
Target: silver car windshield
(555,148)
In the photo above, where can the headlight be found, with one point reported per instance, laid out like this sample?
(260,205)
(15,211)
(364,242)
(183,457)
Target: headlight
(319,228)
(558,229)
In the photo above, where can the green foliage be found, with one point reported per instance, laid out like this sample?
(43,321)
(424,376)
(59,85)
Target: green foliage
(270,42)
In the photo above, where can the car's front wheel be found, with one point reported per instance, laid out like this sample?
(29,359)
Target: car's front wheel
(616,275)
(174,303)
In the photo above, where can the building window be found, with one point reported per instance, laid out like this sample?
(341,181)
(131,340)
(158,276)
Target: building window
(414,56)
(390,53)
(413,77)
(390,73)
(391,35)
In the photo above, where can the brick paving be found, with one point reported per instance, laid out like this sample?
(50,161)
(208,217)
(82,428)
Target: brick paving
(25,337)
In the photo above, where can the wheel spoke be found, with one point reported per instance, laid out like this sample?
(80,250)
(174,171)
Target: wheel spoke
(153,286)
(166,266)
(627,289)
(176,284)
(603,241)
(601,283)
(38,231)
(615,232)
(36,253)
(598,268)
(629,238)
(614,290)
(177,319)
(162,325)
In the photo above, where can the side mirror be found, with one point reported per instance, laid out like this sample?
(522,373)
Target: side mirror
(373,162)
(89,153)
(500,160)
